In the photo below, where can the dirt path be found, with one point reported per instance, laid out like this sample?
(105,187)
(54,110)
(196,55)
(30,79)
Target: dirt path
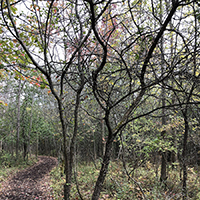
(31,183)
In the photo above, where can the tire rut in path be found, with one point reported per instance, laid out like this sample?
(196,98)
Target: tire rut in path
(31,183)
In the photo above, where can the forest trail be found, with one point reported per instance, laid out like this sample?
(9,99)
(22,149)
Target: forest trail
(31,183)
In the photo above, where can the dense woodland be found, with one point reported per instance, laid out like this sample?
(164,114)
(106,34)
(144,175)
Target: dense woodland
(104,83)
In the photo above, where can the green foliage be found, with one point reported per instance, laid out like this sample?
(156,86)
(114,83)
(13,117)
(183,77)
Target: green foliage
(57,183)
(118,186)
(9,166)
(8,160)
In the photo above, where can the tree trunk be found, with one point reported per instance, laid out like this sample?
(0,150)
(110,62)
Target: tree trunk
(20,87)
(37,138)
(18,120)
(102,137)
(1,144)
(163,175)
(184,157)
(30,129)
(103,171)
(185,113)
(94,147)
(68,173)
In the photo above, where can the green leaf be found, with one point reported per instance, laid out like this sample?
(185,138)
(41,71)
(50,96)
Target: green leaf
(42,86)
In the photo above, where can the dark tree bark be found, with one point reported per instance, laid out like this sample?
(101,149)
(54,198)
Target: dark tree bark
(134,104)
(163,175)
(103,171)
(184,155)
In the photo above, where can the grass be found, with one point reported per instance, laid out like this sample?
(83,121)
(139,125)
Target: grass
(9,165)
(118,186)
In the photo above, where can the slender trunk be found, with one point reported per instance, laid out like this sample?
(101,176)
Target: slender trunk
(37,145)
(25,150)
(156,163)
(103,137)
(18,120)
(20,88)
(185,113)
(30,129)
(184,157)
(163,175)
(102,133)
(103,171)
(67,184)
(71,150)
(68,173)
(1,144)
(23,121)
(94,147)
(69,157)
(24,138)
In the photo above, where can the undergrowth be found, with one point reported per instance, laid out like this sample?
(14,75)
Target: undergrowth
(9,165)
(118,186)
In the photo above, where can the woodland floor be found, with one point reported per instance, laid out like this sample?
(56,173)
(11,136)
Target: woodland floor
(31,183)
